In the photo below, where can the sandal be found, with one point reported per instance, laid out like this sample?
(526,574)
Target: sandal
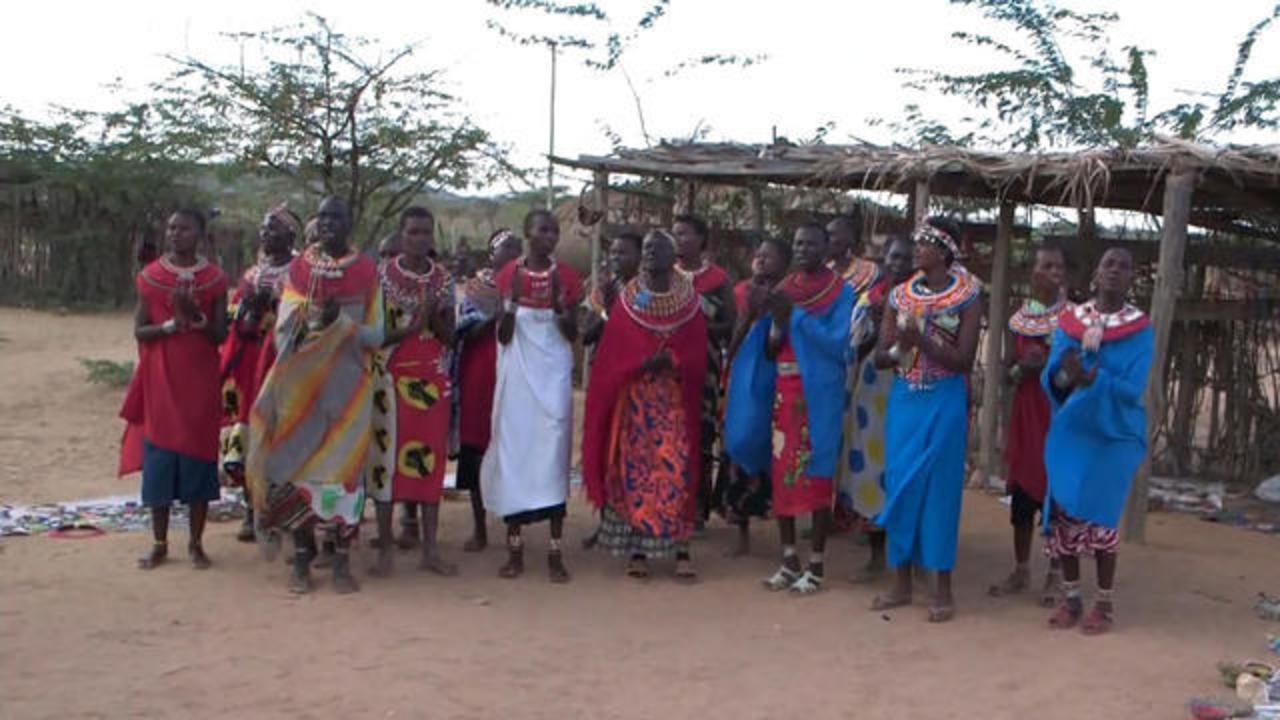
(1052,591)
(159,553)
(684,570)
(784,578)
(638,567)
(890,601)
(1097,622)
(558,573)
(1065,617)
(199,560)
(940,613)
(808,584)
(1015,584)
(515,564)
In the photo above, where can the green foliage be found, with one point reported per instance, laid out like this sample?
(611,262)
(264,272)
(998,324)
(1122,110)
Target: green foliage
(110,373)
(1047,97)
(316,110)
(88,186)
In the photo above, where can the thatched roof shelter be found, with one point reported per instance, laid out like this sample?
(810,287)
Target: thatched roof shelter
(1237,188)
(1232,189)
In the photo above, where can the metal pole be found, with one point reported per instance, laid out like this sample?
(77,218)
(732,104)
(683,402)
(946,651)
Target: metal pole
(551,143)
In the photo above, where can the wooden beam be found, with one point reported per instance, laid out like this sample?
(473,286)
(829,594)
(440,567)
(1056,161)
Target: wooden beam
(993,367)
(1178,189)
(669,207)
(920,204)
(757,209)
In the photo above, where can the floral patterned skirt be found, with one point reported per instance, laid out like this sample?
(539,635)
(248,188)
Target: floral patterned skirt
(650,507)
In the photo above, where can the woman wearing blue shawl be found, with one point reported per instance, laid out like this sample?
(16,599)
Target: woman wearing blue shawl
(787,396)
(930,334)
(1095,379)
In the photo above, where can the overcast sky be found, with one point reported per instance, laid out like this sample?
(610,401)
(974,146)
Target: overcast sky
(828,60)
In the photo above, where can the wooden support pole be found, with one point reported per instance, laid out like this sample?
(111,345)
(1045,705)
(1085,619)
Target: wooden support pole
(1179,185)
(920,203)
(669,203)
(690,195)
(757,209)
(993,367)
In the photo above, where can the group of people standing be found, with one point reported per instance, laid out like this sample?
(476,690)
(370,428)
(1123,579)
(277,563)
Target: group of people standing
(826,384)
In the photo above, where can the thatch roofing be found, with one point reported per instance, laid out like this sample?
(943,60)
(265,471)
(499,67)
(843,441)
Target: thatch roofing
(1237,188)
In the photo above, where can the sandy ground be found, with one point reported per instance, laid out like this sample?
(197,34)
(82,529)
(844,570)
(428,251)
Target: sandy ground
(85,635)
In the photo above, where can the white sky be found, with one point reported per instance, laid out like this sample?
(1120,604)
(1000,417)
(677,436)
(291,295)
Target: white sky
(829,60)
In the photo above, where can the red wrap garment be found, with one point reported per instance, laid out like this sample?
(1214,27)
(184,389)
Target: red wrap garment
(636,330)
(173,400)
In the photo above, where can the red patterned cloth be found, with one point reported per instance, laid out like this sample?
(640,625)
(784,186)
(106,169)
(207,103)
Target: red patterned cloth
(419,370)
(1071,537)
(794,492)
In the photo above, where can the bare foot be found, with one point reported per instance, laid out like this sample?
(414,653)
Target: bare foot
(246,534)
(159,553)
(432,562)
(476,543)
(741,549)
(555,565)
(199,560)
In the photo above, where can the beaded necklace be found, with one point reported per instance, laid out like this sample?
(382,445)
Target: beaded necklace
(661,312)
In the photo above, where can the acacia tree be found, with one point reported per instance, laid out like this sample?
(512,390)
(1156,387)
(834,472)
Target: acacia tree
(1098,96)
(318,111)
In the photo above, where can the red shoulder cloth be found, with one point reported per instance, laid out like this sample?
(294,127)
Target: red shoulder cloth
(708,278)
(814,292)
(535,287)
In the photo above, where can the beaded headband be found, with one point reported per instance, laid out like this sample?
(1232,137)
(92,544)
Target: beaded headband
(930,234)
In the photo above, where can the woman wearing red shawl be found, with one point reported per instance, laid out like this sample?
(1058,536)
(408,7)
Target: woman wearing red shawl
(715,289)
(172,404)
(417,296)
(247,352)
(640,457)
(1026,348)
(477,375)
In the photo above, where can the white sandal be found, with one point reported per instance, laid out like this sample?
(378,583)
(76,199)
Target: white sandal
(784,578)
(807,584)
